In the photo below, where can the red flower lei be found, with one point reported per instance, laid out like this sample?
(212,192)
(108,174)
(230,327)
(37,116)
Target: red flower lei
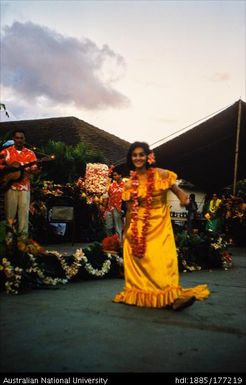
(138,244)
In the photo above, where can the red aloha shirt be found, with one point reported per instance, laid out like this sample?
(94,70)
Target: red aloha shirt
(24,156)
(115,195)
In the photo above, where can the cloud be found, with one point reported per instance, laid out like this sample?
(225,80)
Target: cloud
(220,77)
(38,62)
(167,120)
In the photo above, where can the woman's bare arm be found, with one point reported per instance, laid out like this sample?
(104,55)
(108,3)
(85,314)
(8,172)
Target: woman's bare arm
(180,194)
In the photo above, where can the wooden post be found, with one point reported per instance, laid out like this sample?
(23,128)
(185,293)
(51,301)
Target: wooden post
(237,147)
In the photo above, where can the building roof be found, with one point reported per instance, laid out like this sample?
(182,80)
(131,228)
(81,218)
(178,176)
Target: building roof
(71,131)
(205,155)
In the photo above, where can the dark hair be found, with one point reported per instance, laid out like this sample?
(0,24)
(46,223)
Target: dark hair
(134,145)
(19,130)
(117,169)
(192,196)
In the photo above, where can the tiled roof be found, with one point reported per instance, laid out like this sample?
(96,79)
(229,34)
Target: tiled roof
(70,130)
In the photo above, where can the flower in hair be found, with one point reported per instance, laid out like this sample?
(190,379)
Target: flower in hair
(151,158)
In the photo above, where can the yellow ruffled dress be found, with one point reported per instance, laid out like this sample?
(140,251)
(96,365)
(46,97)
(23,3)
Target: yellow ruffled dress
(153,281)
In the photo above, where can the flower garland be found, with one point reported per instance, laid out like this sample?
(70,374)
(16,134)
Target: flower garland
(13,275)
(46,280)
(214,205)
(105,267)
(118,259)
(96,272)
(70,270)
(138,244)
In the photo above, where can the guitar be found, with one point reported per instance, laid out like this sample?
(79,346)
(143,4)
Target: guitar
(14,172)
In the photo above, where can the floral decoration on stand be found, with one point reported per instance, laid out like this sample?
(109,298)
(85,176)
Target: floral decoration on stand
(96,181)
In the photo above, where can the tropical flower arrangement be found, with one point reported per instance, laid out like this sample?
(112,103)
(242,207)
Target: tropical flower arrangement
(218,246)
(50,188)
(29,246)
(202,251)
(187,265)
(226,259)
(234,208)
(218,243)
(185,249)
(231,213)
(73,190)
(96,180)
(111,243)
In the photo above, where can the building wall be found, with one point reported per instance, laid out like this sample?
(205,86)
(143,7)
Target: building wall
(175,205)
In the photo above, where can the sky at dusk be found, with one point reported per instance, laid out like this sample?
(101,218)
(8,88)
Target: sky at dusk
(141,70)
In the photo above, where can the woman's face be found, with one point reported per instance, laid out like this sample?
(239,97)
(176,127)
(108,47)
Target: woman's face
(139,158)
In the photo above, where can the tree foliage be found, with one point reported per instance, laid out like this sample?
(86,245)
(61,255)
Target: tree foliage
(240,188)
(69,163)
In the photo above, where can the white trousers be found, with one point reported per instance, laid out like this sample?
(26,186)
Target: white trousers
(17,205)
(113,221)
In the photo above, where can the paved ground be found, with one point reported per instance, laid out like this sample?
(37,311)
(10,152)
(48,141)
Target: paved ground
(78,329)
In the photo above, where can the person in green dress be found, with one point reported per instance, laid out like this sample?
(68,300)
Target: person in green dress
(213,216)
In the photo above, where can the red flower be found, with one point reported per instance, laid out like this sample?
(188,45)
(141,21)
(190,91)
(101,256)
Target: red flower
(111,242)
(151,158)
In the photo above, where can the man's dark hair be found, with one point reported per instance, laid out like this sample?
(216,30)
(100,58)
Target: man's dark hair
(117,169)
(19,130)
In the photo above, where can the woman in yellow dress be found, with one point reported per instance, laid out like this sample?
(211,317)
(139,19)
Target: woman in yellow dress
(150,257)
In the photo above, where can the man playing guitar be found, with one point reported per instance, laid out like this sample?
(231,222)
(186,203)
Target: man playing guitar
(17,194)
